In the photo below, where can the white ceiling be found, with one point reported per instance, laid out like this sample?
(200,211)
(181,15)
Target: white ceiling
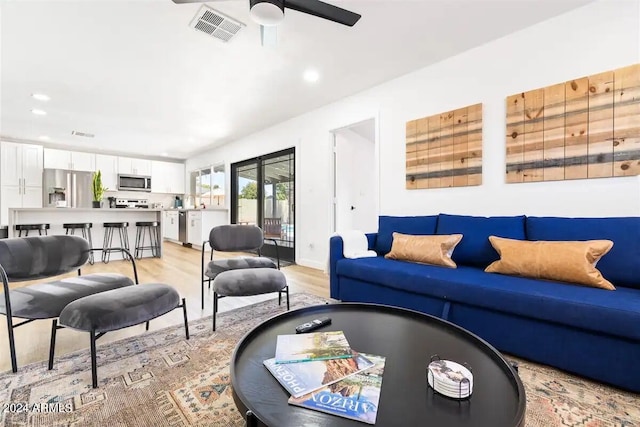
(138,77)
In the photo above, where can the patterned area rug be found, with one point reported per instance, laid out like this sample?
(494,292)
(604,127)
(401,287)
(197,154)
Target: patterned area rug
(160,379)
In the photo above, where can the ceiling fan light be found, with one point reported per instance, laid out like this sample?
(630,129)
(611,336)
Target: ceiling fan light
(267,12)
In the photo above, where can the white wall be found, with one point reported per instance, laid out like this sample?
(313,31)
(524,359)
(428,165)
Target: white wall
(598,37)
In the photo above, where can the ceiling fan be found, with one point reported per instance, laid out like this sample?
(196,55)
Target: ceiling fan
(269,13)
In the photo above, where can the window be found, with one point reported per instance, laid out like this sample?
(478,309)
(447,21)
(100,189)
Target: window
(207,186)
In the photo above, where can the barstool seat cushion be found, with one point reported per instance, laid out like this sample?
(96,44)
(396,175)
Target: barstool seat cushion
(32,226)
(28,302)
(120,308)
(250,281)
(147,224)
(115,224)
(240,263)
(78,225)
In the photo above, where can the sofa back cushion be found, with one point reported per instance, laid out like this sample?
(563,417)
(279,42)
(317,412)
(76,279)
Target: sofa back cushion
(475,249)
(621,265)
(416,225)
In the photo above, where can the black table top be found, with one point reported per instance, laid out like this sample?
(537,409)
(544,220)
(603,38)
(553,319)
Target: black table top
(407,339)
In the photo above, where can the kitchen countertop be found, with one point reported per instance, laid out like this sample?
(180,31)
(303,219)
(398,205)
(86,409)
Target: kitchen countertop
(196,209)
(86,209)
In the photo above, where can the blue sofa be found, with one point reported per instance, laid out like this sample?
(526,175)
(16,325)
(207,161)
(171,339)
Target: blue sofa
(591,332)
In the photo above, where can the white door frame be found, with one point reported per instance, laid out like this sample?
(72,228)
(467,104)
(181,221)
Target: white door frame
(332,162)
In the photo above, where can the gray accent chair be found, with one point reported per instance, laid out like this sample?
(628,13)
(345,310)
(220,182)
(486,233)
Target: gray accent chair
(247,282)
(117,309)
(44,257)
(236,238)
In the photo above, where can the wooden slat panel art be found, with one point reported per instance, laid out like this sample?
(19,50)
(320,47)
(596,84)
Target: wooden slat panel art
(584,128)
(445,150)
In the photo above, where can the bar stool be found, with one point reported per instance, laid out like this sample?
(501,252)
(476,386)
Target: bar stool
(153,229)
(85,229)
(27,227)
(123,232)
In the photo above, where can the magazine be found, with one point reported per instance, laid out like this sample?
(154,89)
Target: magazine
(301,378)
(314,346)
(355,397)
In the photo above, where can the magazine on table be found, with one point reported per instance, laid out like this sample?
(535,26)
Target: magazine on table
(355,397)
(313,346)
(302,378)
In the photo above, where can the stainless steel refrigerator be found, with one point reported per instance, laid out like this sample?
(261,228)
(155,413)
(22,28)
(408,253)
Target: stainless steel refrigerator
(65,188)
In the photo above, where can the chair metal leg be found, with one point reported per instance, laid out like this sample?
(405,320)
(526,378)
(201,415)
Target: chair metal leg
(52,345)
(12,344)
(279,297)
(139,234)
(147,326)
(184,313)
(125,231)
(287,288)
(94,368)
(215,308)
(121,233)
(88,231)
(106,245)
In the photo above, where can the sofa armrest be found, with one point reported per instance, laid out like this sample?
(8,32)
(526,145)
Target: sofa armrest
(335,254)
(336,247)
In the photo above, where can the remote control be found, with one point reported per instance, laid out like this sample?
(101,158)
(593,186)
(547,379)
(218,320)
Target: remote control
(313,325)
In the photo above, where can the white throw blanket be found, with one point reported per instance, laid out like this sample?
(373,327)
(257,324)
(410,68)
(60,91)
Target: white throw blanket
(355,244)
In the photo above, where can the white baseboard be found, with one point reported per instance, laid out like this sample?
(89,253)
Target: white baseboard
(311,264)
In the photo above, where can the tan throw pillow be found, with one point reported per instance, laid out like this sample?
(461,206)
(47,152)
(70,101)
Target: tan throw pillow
(573,262)
(433,249)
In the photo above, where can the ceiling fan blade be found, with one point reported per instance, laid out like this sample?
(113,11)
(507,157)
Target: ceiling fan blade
(323,10)
(269,35)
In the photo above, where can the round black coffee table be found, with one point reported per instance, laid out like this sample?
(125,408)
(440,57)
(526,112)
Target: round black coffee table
(407,339)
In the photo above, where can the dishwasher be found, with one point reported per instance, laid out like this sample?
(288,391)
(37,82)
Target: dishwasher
(182,228)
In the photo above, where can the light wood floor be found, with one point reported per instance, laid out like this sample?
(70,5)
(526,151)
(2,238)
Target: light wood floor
(179,267)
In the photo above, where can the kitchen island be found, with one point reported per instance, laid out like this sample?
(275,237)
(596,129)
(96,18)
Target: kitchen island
(97,216)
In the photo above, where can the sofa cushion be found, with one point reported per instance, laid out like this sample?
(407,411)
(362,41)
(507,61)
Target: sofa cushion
(573,262)
(417,225)
(621,265)
(434,249)
(614,313)
(475,249)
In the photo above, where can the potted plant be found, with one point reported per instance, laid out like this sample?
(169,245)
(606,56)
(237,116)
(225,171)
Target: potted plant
(97,189)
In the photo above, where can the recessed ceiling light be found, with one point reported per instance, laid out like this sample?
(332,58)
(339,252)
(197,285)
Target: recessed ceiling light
(39,112)
(40,96)
(44,138)
(311,76)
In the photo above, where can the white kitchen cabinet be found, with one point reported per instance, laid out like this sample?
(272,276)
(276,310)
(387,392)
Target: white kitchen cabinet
(194,228)
(108,167)
(70,160)
(20,177)
(171,225)
(132,166)
(167,177)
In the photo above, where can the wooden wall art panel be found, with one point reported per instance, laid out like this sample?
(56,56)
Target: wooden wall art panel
(445,150)
(584,128)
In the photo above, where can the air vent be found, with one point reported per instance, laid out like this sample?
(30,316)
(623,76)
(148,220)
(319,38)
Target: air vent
(215,24)
(83,134)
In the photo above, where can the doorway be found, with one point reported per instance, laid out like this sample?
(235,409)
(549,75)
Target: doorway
(263,194)
(355,178)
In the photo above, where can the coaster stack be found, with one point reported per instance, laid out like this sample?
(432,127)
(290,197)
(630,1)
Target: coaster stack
(450,379)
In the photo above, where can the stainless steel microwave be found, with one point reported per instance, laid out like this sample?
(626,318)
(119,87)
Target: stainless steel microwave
(134,183)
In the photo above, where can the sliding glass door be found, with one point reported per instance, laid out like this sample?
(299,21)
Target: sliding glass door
(263,192)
